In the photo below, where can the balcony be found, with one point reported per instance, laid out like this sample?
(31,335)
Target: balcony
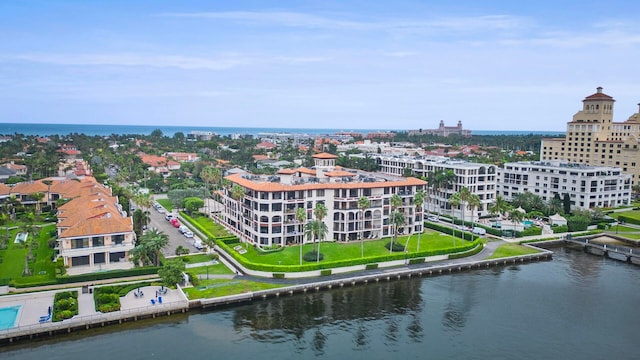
(95,249)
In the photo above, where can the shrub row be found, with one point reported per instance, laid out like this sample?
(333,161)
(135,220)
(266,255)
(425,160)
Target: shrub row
(450,231)
(340,263)
(628,219)
(108,275)
(196,225)
(560,229)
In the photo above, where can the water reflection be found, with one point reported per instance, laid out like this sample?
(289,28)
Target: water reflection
(302,317)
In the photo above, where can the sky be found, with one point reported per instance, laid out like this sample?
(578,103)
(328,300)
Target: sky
(494,65)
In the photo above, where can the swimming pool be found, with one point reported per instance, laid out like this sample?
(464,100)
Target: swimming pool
(527,223)
(8,316)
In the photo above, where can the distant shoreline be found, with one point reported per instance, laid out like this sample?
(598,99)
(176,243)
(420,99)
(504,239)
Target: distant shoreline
(106,130)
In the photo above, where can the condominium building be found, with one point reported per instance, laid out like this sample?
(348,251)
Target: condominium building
(594,138)
(480,179)
(93,231)
(587,186)
(265,213)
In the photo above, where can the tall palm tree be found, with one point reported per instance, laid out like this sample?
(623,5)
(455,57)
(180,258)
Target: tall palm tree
(439,180)
(237,194)
(320,213)
(154,241)
(301,216)
(418,200)
(395,201)
(499,206)
(48,183)
(454,201)
(473,203)
(363,204)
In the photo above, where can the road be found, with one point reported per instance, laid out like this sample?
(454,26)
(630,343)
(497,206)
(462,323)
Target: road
(157,220)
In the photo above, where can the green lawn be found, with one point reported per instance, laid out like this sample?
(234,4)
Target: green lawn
(166,203)
(42,267)
(213,227)
(219,269)
(196,258)
(333,251)
(621,228)
(630,236)
(224,287)
(506,250)
(631,214)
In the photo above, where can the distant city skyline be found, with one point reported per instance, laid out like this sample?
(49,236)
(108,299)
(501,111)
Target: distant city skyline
(496,65)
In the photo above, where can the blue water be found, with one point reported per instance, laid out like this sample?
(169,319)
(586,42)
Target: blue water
(8,317)
(106,130)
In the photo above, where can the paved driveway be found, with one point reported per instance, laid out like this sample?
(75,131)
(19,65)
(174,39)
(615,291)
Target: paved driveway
(175,238)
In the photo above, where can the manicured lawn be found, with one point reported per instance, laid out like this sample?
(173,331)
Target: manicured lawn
(621,228)
(223,287)
(631,214)
(630,236)
(213,227)
(506,250)
(218,269)
(196,258)
(42,268)
(166,203)
(333,251)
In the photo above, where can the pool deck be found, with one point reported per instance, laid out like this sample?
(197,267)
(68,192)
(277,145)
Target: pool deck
(36,304)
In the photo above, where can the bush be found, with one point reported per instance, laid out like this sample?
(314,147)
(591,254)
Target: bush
(371,266)
(65,305)
(180,250)
(108,275)
(416,261)
(312,256)
(325,272)
(278,275)
(194,279)
(109,307)
(397,247)
(560,229)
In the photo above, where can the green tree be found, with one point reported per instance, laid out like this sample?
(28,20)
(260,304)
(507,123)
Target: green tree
(148,250)
(301,216)
(499,206)
(363,204)
(439,180)
(193,204)
(171,272)
(418,201)
(566,203)
(395,201)
(320,213)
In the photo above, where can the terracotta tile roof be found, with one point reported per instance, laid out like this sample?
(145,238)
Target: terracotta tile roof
(4,189)
(324,156)
(265,145)
(260,157)
(339,174)
(275,187)
(287,171)
(307,171)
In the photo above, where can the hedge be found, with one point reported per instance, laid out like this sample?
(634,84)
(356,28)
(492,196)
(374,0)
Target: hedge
(108,275)
(340,263)
(196,225)
(325,272)
(371,266)
(628,219)
(416,261)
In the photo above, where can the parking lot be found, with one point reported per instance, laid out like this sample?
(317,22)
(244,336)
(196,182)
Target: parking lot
(158,221)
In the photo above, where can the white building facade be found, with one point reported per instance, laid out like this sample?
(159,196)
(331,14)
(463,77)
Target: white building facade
(265,214)
(480,179)
(587,186)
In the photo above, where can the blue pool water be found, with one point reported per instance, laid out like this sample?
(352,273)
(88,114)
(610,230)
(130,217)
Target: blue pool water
(527,223)
(8,317)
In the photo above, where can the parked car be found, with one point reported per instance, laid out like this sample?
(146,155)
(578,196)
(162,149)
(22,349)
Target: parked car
(182,229)
(433,218)
(175,223)
(168,217)
(188,234)
(479,231)
(198,245)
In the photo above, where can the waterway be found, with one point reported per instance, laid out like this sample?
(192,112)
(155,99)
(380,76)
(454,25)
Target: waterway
(576,306)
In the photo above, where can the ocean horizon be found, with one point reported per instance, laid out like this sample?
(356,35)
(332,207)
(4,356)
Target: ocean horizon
(41,129)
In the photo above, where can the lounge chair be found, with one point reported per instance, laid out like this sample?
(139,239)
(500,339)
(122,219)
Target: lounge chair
(153,302)
(44,318)
(159,299)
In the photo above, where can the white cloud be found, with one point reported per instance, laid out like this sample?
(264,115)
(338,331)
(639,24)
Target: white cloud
(301,20)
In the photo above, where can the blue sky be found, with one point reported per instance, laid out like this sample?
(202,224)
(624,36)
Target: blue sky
(494,65)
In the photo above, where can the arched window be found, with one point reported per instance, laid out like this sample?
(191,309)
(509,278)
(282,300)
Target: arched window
(264,218)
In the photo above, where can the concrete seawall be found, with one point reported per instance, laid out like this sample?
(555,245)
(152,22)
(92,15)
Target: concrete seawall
(381,275)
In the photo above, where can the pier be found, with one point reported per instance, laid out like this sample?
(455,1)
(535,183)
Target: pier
(592,246)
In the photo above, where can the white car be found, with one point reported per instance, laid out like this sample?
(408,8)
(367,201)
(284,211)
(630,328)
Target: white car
(198,245)
(433,218)
(183,229)
(188,234)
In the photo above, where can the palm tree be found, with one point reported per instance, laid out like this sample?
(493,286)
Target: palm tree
(301,216)
(37,197)
(395,201)
(439,180)
(363,204)
(48,183)
(418,200)
(499,206)
(473,203)
(310,231)
(516,216)
(455,201)
(237,194)
(152,242)
(320,213)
